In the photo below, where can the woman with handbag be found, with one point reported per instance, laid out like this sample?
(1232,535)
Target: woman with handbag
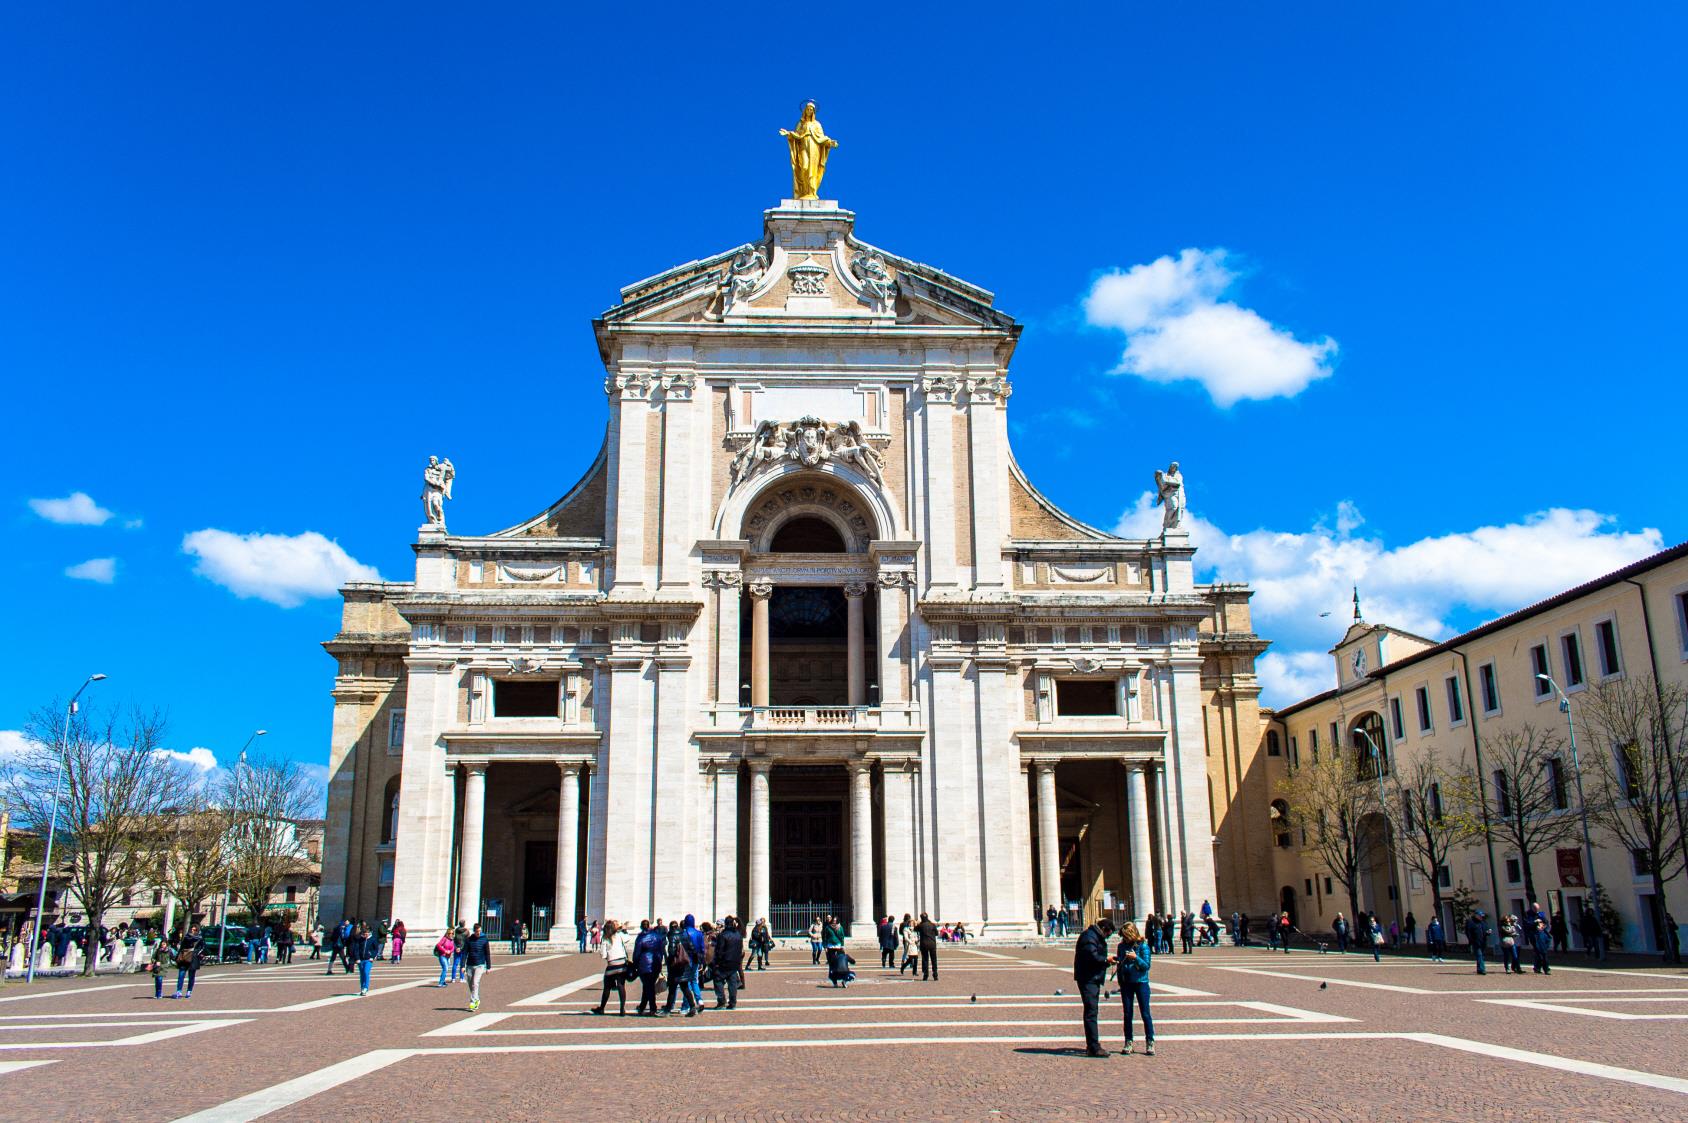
(187,960)
(612,945)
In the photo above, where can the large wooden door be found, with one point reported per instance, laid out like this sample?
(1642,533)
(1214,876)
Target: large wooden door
(807,859)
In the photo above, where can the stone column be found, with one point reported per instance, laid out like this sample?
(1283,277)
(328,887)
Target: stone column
(563,906)
(727,588)
(1163,849)
(474,816)
(1048,839)
(861,849)
(1142,857)
(855,643)
(722,875)
(759,829)
(890,630)
(899,840)
(760,593)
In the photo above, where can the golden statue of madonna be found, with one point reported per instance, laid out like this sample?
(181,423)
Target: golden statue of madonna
(809,148)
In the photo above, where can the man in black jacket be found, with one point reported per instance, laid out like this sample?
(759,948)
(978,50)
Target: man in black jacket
(927,932)
(1090,970)
(887,933)
(728,962)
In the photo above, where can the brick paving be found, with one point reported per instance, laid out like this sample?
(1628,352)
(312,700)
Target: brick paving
(1234,1044)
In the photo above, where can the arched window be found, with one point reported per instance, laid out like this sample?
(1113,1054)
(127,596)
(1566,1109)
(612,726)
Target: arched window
(1370,726)
(807,534)
(1280,823)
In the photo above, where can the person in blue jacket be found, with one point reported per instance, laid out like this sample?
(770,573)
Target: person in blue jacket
(1133,960)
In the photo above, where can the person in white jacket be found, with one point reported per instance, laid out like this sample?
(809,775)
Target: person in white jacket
(613,947)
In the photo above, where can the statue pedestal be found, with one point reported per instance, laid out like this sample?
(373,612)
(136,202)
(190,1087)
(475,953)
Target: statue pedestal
(1180,560)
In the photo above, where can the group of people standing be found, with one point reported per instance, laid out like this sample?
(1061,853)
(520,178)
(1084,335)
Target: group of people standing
(685,956)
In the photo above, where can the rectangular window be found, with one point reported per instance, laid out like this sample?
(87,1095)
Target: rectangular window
(1294,753)
(1309,883)
(1538,668)
(1641,863)
(1313,744)
(1395,718)
(1436,802)
(1629,779)
(1682,620)
(128,897)
(1456,704)
(1407,816)
(1570,645)
(524,697)
(1444,877)
(1087,697)
(1335,738)
(1503,795)
(1514,871)
(1423,696)
(1490,686)
(1272,748)
(292,894)
(1556,781)
(1327,887)
(1606,636)
(395,730)
(158,896)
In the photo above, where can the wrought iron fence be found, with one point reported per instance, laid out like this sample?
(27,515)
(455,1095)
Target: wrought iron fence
(792,918)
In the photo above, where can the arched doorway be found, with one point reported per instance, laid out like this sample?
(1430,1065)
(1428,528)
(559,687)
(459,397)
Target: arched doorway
(1377,891)
(1286,903)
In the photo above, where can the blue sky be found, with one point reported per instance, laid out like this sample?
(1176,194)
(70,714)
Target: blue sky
(1401,291)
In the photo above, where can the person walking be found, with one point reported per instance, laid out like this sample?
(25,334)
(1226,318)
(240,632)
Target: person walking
(926,934)
(1435,944)
(1411,928)
(649,951)
(1339,928)
(367,947)
(761,943)
(1510,933)
(887,931)
(1375,939)
(612,945)
(399,935)
(1284,929)
(1477,935)
(459,942)
(1090,970)
(189,952)
(1561,934)
(728,962)
(316,941)
(580,934)
(909,942)
(815,942)
(163,954)
(477,961)
(444,951)
(1132,957)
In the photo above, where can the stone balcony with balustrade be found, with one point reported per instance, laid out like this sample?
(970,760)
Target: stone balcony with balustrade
(895,719)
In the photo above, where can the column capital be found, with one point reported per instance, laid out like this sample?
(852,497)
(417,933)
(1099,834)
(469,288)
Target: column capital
(571,767)
(855,589)
(861,765)
(1045,764)
(474,767)
(760,766)
(760,590)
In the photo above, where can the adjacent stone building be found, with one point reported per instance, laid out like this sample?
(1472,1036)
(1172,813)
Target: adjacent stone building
(803,638)
(1412,695)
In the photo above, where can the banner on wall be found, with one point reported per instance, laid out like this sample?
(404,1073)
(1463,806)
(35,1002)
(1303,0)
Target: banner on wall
(1571,868)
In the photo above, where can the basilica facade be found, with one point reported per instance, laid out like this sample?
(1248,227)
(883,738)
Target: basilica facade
(802,639)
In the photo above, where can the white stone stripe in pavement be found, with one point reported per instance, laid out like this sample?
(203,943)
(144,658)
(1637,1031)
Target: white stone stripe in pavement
(137,1039)
(1398,989)
(19,1066)
(546,997)
(1591,1011)
(269,1100)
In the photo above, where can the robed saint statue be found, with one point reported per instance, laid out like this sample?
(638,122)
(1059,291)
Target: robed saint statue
(809,148)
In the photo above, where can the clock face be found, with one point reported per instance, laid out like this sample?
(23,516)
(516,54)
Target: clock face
(1359,663)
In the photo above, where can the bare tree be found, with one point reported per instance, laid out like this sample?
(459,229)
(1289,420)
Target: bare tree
(192,854)
(1633,730)
(1327,801)
(1529,773)
(117,785)
(266,798)
(1435,812)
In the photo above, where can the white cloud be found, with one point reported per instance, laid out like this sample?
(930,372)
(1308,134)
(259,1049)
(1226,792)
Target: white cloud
(280,568)
(14,744)
(1418,587)
(76,509)
(199,758)
(103,570)
(1177,329)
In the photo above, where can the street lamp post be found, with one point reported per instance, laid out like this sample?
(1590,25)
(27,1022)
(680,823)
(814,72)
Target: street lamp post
(1383,804)
(228,872)
(53,826)
(1582,806)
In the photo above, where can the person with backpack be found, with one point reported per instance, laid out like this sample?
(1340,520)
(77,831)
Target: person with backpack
(188,955)
(477,957)
(444,950)
(163,954)
(649,951)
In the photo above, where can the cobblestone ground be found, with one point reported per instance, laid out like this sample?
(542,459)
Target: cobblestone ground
(1242,1034)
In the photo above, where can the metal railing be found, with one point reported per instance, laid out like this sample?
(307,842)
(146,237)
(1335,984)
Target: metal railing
(792,918)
